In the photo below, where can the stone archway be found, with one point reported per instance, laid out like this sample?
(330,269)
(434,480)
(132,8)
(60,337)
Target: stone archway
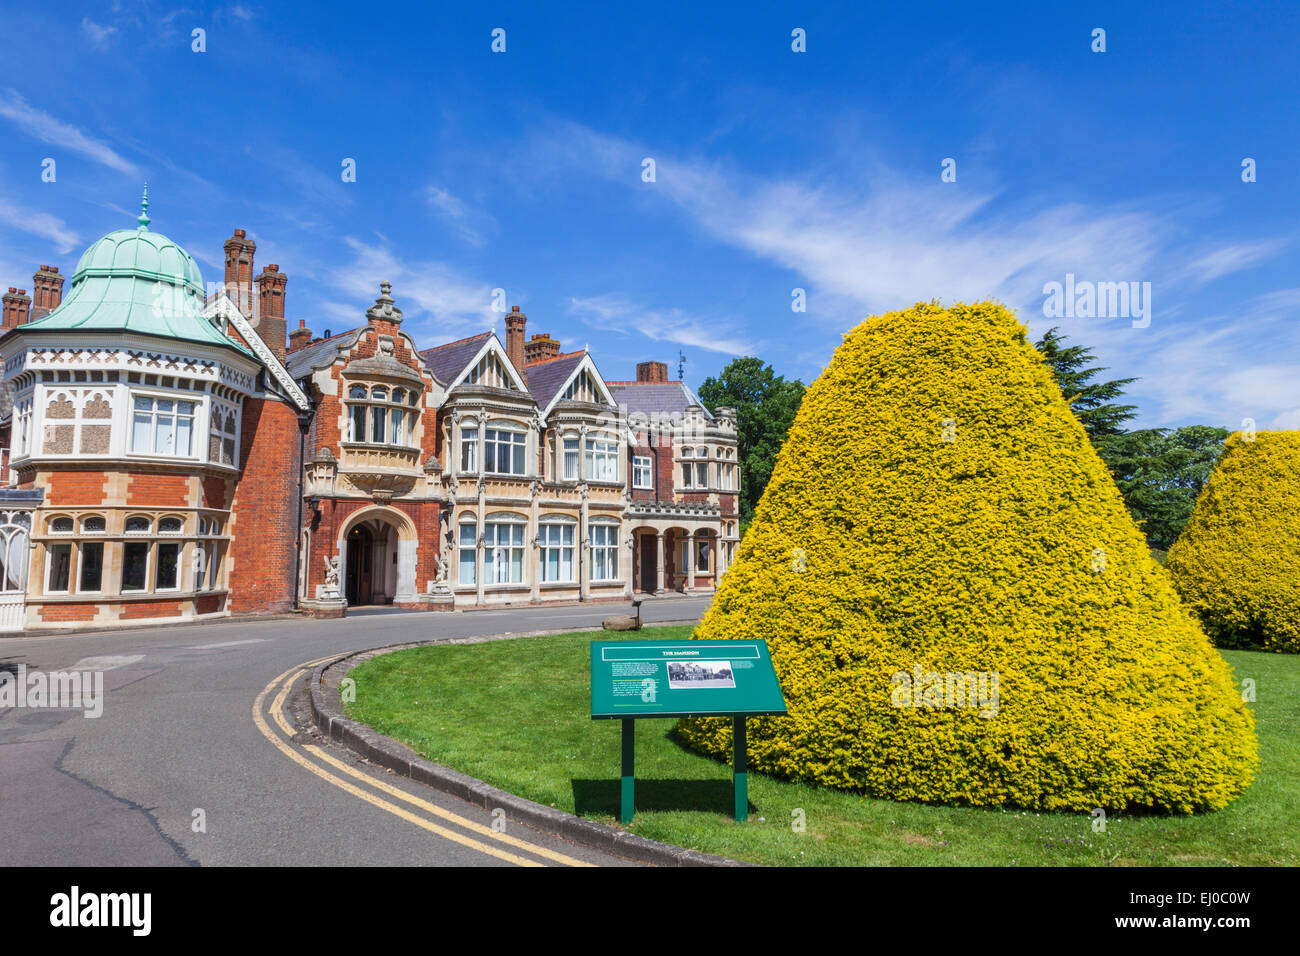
(376,549)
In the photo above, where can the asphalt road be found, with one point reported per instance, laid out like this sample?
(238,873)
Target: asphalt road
(179,742)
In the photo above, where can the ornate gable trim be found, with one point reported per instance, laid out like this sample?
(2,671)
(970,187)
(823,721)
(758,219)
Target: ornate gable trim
(221,307)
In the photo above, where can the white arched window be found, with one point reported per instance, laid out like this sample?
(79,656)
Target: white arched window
(15,526)
(503,548)
(380,415)
(555,537)
(604,549)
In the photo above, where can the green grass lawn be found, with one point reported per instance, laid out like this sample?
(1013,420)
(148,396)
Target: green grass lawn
(516,713)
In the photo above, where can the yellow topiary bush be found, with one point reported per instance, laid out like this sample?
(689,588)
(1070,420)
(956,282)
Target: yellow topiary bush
(1237,563)
(938,509)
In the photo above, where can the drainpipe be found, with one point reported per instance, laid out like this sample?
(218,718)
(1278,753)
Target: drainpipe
(304,422)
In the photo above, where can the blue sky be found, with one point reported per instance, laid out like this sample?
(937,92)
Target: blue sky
(775,170)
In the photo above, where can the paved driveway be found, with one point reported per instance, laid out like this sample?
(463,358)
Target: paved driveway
(178,742)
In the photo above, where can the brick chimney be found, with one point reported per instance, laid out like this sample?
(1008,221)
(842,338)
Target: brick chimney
(540,348)
(652,372)
(515,337)
(300,337)
(47,291)
(270,308)
(16,305)
(239,272)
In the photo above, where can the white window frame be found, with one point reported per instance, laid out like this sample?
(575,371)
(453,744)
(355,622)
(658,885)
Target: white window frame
(557,535)
(136,395)
(469,446)
(642,471)
(470,525)
(600,458)
(49,567)
(603,539)
(509,435)
(492,526)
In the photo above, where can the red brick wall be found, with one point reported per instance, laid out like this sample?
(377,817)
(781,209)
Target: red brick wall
(336,513)
(264,512)
(216,492)
(144,609)
(208,604)
(67,612)
(162,491)
(75,488)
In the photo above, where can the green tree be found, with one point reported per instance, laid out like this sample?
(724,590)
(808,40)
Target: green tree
(1093,402)
(1159,472)
(765,405)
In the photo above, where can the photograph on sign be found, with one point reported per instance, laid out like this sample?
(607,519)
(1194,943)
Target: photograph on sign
(700,674)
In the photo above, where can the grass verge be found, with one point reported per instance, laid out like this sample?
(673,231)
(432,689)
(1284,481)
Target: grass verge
(516,713)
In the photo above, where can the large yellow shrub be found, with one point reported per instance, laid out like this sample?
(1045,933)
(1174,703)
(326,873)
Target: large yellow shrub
(937,506)
(1237,563)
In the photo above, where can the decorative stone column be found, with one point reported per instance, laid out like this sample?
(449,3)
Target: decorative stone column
(660,543)
(690,563)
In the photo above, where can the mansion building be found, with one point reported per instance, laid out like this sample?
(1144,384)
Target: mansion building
(171,454)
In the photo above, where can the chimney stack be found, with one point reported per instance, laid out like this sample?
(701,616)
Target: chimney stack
(300,337)
(16,305)
(515,337)
(652,372)
(270,323)
(47,291)
(540,348)
(239,272)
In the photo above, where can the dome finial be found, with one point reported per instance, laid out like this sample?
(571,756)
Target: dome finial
(144,210)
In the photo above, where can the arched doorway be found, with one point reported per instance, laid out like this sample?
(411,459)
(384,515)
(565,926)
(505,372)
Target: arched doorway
(377,550)
(360,584)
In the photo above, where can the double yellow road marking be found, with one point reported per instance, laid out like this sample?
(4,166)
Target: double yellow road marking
(493,841)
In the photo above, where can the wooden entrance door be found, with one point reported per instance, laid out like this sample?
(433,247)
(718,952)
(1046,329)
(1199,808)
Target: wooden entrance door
(361,556)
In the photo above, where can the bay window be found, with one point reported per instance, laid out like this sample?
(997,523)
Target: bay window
(503,449)
(469,445)
(380,416)
(602,459)
(161,426)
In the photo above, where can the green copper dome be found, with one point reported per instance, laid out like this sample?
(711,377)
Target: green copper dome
(134,280)
(139,252)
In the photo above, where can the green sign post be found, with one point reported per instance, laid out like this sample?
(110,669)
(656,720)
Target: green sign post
(631,679)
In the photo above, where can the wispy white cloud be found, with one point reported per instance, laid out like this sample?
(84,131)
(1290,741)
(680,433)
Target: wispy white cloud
(42,126)
(434,297)
(616,313)
(96,34)
(881,241)
(467,223)
(39,224)
(309,179)
(1232,258)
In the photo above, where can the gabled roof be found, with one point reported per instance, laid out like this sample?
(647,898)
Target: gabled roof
(656,398)
(446,362)
(546,378)
(301,362)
